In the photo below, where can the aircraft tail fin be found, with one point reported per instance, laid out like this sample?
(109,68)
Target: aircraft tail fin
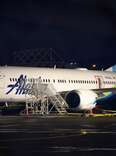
(113,68)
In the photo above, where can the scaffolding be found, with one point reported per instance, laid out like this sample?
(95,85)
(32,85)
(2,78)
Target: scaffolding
(42,57)
(42,95)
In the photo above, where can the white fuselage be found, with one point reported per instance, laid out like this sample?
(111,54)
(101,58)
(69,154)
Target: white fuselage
(63,80)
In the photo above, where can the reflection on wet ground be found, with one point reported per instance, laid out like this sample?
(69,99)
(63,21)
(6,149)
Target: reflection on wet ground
(57,136)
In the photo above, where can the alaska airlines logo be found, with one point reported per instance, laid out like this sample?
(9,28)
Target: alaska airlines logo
(20,87)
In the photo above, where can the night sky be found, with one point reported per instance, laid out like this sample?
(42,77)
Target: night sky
(83,31)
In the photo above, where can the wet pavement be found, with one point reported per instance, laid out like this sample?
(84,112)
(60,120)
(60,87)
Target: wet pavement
(52,135)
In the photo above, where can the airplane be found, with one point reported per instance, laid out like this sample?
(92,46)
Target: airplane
(81,88)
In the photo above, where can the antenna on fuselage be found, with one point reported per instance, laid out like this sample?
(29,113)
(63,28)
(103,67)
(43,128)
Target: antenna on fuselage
(55,66)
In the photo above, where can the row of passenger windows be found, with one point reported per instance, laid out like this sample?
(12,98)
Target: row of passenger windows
(31,80)
(64,81)
(109,82)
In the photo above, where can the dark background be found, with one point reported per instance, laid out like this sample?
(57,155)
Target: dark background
(81,31)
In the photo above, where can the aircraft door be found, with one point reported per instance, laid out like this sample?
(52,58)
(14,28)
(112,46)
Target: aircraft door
(99,81)
(2,81)
(2,85)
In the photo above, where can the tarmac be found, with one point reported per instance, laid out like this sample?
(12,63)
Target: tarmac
(57,135)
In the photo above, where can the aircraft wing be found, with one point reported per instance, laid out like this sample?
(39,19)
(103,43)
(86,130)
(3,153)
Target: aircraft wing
(103,90)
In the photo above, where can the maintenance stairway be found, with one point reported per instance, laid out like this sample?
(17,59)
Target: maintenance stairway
(42,95)
(56,99)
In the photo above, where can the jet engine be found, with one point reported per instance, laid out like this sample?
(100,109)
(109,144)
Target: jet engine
(81,99)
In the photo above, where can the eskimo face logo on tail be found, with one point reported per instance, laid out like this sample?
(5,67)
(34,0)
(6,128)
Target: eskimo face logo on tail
(20,87)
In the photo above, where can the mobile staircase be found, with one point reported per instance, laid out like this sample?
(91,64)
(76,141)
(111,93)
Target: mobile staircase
(42,95)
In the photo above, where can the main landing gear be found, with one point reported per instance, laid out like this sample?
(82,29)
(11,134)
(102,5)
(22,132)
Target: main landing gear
(87,113)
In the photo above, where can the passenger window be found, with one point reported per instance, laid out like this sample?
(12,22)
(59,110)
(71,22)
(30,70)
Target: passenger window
(43,80)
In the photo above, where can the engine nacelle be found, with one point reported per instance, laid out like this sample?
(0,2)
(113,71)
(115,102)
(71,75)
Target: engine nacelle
(81,99)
